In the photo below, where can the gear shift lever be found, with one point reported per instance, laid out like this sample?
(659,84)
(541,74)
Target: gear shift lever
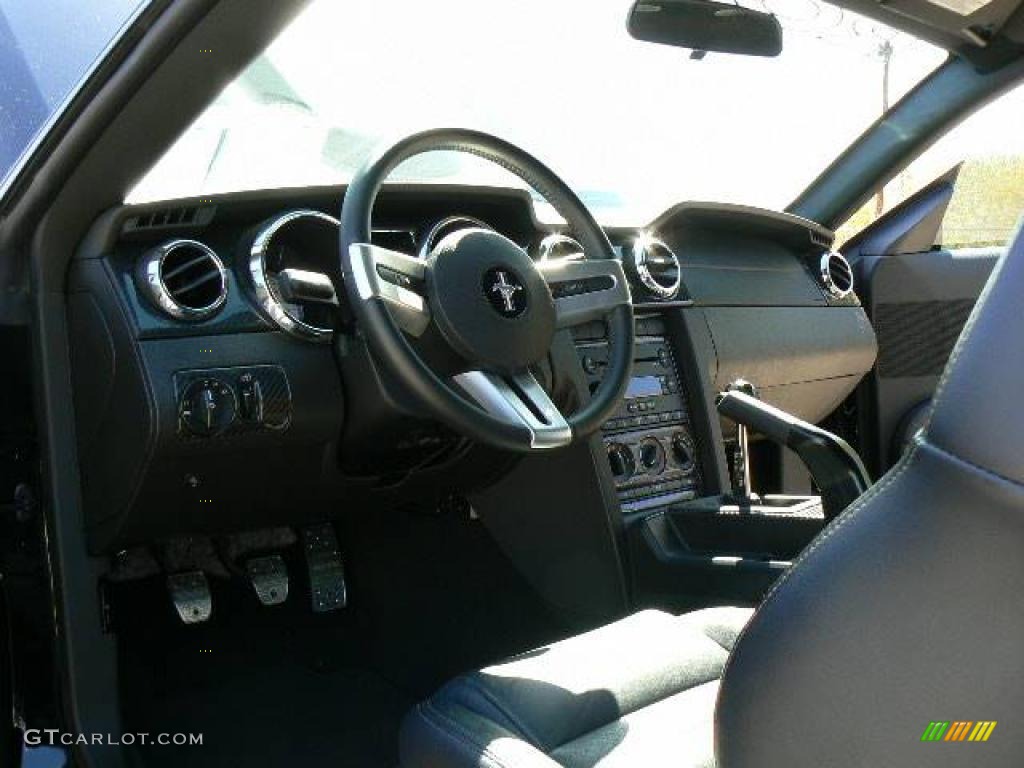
(741,455)
(835,467)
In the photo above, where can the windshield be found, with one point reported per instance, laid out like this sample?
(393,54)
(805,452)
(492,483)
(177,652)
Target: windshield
(633,127)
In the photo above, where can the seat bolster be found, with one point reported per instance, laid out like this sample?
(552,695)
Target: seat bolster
(677,732)
(976,411)
(722,624)
(906,610)
(525,708)
(434,736)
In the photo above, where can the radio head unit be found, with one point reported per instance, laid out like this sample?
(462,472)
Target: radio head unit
(650,447)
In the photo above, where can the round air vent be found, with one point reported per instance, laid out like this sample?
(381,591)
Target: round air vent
(184,279)
(836,274)
(656,267)
(559,247)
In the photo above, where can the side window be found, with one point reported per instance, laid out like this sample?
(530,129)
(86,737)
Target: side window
(989,195)
(36,75)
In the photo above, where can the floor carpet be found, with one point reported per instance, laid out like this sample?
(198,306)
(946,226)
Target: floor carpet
(430,596)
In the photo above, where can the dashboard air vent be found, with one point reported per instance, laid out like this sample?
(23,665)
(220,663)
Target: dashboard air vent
(655,266)
(836,274)
(184,279)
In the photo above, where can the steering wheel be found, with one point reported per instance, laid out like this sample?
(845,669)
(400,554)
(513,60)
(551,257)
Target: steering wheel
(495,308)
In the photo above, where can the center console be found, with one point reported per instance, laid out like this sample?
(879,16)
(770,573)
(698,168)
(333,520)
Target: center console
(649,441)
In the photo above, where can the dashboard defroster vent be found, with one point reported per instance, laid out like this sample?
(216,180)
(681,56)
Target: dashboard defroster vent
(169,218)
(820,240)
(836,274)
(183,278)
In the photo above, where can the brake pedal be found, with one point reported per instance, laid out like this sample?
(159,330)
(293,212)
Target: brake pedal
(269,578)
(190,593)
(326,570)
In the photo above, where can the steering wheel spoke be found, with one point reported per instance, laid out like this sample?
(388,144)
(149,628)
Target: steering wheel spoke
(394,278)
(518,399)
(585,290)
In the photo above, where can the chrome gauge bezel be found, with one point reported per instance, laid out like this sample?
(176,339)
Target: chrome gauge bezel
(427,245)
(642,247)
(552,241)
(266,296)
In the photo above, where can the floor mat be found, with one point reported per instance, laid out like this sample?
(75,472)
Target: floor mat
(441,597)
(261,692)
(430,596)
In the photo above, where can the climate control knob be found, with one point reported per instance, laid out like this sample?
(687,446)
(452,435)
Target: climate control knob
(652,456)
(683,451)
(620,459)
(207,407)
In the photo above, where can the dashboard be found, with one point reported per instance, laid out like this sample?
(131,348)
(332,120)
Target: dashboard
(221,382)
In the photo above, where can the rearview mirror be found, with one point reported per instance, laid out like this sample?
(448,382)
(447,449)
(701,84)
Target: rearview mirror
(704,25)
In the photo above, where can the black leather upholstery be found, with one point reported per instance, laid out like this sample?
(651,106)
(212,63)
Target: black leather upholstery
(908,608)
(622,694)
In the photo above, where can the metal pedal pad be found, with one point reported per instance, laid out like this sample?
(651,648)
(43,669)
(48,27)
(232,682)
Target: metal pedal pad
(269,577)
(190,593)
(326,571)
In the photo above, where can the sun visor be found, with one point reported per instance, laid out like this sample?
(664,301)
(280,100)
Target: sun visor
(988,33)
(961,7)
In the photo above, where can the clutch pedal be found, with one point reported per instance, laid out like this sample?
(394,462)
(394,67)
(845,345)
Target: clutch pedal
(269,578)
(326,570)
(190,593)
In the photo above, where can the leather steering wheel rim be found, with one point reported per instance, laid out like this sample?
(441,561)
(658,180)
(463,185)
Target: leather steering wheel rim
(384,285)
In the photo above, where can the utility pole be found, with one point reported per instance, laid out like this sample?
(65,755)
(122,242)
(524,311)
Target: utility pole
(885,51)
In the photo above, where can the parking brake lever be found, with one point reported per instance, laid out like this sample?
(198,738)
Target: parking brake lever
(835,467)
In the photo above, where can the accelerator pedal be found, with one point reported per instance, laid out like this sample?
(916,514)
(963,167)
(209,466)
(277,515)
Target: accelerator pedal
(326,570)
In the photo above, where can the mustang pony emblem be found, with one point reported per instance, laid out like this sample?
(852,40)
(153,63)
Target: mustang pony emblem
(505,292)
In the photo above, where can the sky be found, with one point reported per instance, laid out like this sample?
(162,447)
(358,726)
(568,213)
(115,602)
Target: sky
(643,123)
